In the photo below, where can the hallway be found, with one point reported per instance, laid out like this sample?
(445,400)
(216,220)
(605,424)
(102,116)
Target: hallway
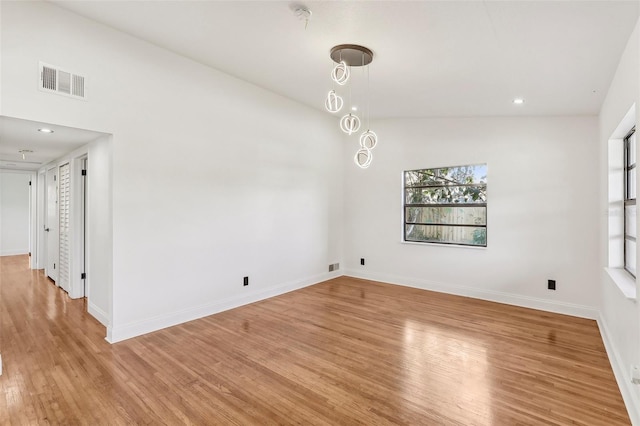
(54,353)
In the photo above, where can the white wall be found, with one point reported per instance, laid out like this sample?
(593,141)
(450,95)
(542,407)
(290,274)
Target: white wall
(620,317)
(213,178)
(14,212)
(542,210)
(99,230)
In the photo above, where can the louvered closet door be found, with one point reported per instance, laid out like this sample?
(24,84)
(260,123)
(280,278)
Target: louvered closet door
(65,254)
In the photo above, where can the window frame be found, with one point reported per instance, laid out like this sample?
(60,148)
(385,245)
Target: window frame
(629,165)
(406,205)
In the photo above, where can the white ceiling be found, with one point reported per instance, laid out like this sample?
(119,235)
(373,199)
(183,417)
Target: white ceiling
(431,58)
(17,134)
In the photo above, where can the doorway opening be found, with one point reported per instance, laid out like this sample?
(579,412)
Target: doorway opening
(67,215)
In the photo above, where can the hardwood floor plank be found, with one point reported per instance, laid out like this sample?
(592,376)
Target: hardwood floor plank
(346,351)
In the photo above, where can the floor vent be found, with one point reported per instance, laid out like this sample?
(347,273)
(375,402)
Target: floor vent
(56,80)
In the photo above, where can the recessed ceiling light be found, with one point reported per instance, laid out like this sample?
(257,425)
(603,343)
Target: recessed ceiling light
(45,130)
(518,101)
(354,108)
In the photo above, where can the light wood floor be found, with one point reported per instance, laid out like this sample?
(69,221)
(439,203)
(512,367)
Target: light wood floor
(345,351)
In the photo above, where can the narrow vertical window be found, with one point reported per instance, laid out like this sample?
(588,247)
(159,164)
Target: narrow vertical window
(630,231)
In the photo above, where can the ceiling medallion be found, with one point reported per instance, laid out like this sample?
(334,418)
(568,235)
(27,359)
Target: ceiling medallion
(352,54)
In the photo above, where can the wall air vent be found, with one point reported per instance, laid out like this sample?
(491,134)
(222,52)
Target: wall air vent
(56,80)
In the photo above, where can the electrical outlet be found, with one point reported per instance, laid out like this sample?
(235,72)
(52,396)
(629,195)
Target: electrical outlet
(245,281)
(362,260)
(551,284)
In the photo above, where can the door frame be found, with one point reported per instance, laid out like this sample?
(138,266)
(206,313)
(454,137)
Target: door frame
(33,209)
(48,169)
(38,232)
(77,238)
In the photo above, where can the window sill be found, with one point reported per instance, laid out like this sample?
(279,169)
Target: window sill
(443,245)
(624,281)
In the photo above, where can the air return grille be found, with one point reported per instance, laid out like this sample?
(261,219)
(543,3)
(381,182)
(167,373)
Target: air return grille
(56,80)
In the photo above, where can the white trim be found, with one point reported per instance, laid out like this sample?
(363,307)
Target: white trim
(40,219)
(13,252)
(127,331)
(17,171)
(98,314)
(627,122)
(629,395)
(624,281)
(76,284)
(33,212)
(429,244)
(490,295)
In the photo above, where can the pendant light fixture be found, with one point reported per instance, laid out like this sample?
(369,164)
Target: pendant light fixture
(334,102)
(341,73)
(350,123)
(346,56)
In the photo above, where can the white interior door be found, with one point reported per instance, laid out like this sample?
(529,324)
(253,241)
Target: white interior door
(51,226)
(64,203)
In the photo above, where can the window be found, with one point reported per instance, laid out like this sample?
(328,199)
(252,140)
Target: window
(630,202)
(447,205)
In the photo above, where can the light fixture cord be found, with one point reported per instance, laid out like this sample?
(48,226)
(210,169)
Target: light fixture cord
(350,99)
(368,98)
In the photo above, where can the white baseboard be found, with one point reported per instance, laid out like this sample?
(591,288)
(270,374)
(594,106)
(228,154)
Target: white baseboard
(76,293)
(490,295)
(621,373)
(98,314)
(13,252)
(127,331)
